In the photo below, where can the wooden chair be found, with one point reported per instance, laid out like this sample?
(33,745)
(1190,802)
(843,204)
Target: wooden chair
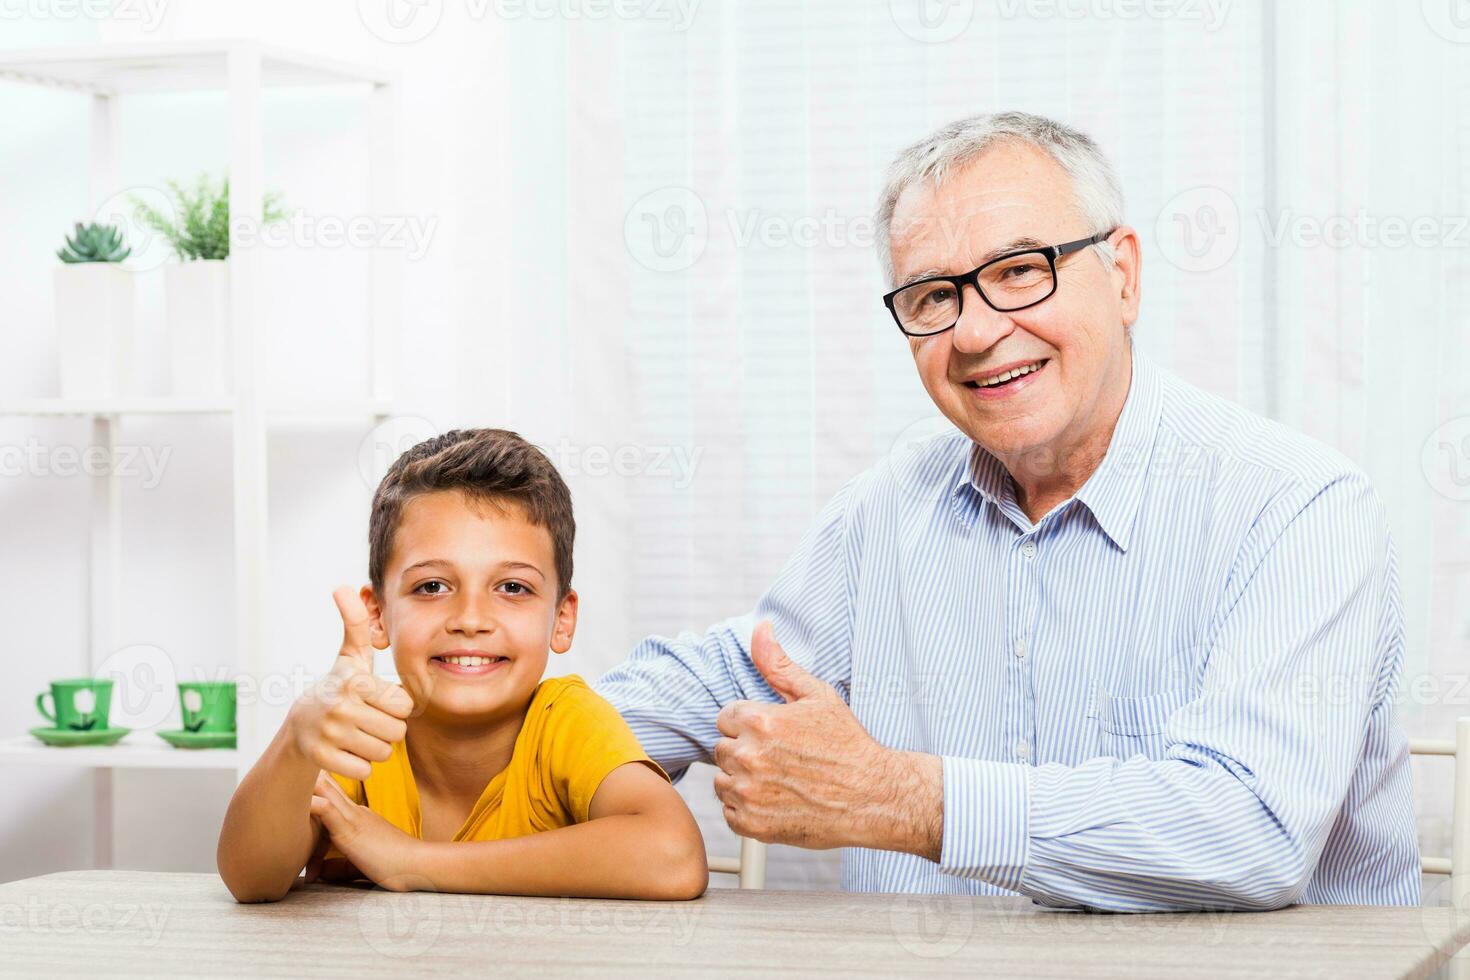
(1457,865)
(750,866)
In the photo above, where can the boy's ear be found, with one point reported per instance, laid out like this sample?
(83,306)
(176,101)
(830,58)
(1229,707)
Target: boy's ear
(375,616)
(566,623)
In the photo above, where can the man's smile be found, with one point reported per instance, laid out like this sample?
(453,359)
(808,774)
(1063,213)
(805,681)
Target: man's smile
(992,385)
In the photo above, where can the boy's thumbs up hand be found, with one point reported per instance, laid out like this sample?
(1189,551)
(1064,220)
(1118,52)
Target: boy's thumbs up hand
(354,664)
(357,627)
(350,718)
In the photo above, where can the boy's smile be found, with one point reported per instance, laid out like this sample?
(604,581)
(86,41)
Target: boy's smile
(470,662)
(470,607)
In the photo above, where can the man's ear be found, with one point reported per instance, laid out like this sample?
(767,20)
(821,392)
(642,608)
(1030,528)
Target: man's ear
(566,623)
(375,615)
(1128,270)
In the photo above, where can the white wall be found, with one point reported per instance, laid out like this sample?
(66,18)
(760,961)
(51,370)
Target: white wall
(541,148)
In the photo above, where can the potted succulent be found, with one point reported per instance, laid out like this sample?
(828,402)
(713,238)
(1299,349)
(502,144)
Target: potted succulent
(94,313)
(197,288)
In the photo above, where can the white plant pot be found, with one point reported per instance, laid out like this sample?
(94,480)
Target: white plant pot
(197,298)
(94,328)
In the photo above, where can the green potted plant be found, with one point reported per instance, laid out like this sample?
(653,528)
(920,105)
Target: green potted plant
(197,288)
(94,312)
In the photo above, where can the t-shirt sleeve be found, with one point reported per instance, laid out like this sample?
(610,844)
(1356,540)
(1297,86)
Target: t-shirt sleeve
(587,739)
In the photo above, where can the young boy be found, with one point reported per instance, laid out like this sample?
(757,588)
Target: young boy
(475,775)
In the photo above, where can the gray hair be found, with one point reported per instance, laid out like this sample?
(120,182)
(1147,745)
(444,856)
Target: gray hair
(1097,195)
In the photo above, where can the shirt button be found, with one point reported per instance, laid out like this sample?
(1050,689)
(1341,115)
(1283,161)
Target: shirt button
(1020,648)
(1023,751)
(1029,549)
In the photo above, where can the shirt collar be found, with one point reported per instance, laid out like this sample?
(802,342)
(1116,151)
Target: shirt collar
(1115,490)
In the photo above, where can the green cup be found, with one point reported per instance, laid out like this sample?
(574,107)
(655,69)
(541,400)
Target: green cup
(81,704)
(207,706)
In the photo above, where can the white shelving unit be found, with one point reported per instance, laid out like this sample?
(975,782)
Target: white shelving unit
(241,70)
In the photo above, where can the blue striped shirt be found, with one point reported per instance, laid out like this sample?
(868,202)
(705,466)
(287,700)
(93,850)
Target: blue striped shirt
(1175,690)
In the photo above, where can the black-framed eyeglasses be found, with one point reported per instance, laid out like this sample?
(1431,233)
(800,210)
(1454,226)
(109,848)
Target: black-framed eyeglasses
(1011,282)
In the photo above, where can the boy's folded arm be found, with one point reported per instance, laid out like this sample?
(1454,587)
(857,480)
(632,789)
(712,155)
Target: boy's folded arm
(640,841)
(268,832)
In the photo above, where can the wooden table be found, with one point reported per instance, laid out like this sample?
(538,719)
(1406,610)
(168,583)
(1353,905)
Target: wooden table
(132,922)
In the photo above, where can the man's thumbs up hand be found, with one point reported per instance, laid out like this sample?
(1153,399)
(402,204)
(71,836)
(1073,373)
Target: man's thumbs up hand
(795,773)
(781,672)
(350,718)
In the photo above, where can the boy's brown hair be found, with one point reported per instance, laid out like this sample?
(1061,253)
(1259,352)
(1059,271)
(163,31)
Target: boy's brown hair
(495,466)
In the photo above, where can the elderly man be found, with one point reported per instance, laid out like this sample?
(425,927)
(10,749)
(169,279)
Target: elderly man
(1116,643)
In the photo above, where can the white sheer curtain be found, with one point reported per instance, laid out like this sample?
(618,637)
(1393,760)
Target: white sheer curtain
(1372,337)
(737,164)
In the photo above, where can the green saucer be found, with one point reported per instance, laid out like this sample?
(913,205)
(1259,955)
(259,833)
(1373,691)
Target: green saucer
(66,736)
(181,739)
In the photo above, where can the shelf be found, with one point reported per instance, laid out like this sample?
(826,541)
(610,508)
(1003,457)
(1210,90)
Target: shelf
(174,66)
(116,406)
(140,749)
(283,412)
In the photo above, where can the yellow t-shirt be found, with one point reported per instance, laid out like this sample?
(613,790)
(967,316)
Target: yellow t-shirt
(571,739)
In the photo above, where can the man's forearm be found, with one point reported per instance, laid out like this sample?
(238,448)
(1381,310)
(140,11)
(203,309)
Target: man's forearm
(907,811)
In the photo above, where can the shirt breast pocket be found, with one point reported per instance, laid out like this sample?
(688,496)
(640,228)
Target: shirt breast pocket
(1131,726)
